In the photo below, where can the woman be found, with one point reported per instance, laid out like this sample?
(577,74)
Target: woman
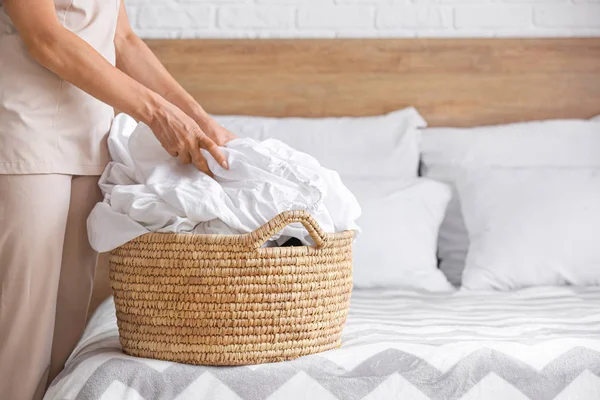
(58,87)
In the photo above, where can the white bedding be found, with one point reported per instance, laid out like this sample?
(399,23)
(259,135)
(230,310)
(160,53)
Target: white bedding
(540,343)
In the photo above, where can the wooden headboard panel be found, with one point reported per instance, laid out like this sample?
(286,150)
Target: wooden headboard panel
(452,82)
(456,82)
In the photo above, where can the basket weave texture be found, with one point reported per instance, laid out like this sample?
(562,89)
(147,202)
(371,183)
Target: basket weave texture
(225,300)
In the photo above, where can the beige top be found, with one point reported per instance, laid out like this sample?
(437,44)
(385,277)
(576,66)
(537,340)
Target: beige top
(48,125)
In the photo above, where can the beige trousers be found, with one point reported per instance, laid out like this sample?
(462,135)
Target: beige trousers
(46,276)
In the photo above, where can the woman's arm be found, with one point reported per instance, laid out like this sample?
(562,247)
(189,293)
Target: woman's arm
(71,58)
(139,62)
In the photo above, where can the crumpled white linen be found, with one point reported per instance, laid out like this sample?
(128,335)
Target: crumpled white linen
(147,190)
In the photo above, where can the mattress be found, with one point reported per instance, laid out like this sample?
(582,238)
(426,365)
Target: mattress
(541,343)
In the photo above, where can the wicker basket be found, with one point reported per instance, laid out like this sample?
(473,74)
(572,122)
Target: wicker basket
(225,300)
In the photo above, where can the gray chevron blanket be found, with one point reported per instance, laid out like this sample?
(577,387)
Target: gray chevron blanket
(541,343)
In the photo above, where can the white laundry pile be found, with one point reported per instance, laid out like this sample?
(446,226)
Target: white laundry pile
(147,190)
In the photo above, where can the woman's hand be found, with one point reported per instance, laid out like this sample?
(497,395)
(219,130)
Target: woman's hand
(217,133)
(182,137)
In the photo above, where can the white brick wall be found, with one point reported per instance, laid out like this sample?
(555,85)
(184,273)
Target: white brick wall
(364,18)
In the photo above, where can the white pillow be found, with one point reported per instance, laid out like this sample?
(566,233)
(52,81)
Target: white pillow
(531,226)
(377,157)
(400,224)
(446,152)
(453,241)
(385,146)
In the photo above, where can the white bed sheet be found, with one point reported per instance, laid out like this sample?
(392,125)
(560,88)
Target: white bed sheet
(539,343)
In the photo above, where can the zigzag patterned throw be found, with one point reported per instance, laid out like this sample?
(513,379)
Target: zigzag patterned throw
(535,344)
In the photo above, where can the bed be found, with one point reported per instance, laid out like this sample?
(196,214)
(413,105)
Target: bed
(541,343)
(538,343)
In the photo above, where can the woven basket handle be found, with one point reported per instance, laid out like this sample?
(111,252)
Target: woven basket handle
(268,230)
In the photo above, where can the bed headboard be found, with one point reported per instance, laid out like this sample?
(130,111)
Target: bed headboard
(452,82)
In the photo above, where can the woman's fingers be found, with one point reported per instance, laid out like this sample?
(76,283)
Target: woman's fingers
(185,156)
(172,153)
(183,138)
(202,165)
(194,156)
(199,160)
(214,151)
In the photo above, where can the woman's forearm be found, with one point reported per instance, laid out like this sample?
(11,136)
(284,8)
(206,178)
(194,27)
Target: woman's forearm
(74,60)
(71,58)
(138,61)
